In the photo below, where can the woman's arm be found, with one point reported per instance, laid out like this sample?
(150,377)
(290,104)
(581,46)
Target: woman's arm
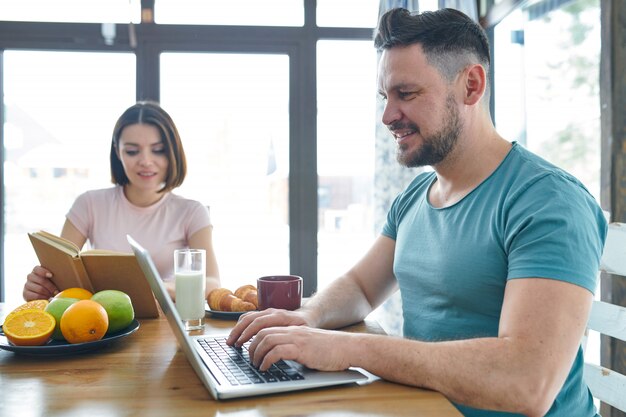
(203,239)
(71,233)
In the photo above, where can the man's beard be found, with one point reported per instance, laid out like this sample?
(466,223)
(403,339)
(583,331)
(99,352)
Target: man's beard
(436,147)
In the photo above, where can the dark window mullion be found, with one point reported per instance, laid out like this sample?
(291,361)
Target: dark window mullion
(2,296)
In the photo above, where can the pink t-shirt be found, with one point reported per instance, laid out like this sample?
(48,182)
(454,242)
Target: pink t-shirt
(106,216)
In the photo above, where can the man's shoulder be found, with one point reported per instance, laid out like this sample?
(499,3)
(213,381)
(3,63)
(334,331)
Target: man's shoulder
(528,170)
(415,191)
(420,182)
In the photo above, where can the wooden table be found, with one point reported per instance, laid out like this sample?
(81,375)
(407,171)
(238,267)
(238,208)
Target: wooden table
(146,374)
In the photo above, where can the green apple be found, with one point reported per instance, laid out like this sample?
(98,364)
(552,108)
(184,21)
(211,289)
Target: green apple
(118,306)
(57,307)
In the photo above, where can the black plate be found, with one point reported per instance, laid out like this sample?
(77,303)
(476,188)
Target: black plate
(224,315)
(56,347)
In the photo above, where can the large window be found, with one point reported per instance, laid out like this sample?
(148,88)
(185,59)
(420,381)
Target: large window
(347,13)
(93,11)
(346,127)
(244,99)
(547,85)
(60,108)
(240,12)
(232,112)
(547,90)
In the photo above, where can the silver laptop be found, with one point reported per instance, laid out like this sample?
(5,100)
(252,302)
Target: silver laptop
(226,371)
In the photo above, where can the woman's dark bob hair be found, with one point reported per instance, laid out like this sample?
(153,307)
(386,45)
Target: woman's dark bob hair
(150,113)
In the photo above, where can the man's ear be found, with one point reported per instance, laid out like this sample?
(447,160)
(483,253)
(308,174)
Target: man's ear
(475,84)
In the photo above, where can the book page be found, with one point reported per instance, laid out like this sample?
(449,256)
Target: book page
(58,242)
(67,268)
(105,252)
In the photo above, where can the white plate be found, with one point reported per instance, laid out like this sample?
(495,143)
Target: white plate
(224,315)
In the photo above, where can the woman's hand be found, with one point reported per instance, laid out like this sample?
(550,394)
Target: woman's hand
(38,285)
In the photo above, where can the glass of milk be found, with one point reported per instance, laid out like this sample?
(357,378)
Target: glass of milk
(189,273)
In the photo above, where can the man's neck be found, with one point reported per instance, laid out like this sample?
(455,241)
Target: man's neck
(469,164)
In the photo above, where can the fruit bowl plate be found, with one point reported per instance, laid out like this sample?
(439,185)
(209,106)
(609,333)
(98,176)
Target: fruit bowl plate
(56,347)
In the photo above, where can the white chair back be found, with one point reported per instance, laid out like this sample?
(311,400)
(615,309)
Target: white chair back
(608,319)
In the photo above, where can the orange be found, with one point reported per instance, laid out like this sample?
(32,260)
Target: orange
(84,321)
(30,327)
(34,304)
(80,293)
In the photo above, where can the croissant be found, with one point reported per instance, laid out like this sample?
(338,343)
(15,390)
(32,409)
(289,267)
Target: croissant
(222,299)
(248,293)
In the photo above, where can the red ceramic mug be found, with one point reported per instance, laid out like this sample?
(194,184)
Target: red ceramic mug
(279,291)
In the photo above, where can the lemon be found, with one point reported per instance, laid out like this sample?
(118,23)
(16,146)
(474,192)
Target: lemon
(118,306)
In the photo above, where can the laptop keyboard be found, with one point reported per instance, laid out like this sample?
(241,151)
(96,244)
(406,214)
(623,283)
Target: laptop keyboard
(236,366)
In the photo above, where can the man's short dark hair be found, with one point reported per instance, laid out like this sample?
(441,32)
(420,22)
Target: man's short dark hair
(450,39)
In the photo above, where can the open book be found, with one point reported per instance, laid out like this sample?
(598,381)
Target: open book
(94,270)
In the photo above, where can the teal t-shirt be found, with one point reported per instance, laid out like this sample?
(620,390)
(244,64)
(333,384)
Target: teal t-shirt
(527,219)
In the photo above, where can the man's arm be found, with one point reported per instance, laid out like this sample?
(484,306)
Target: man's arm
(348,299)
(351,297)
(521,370)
